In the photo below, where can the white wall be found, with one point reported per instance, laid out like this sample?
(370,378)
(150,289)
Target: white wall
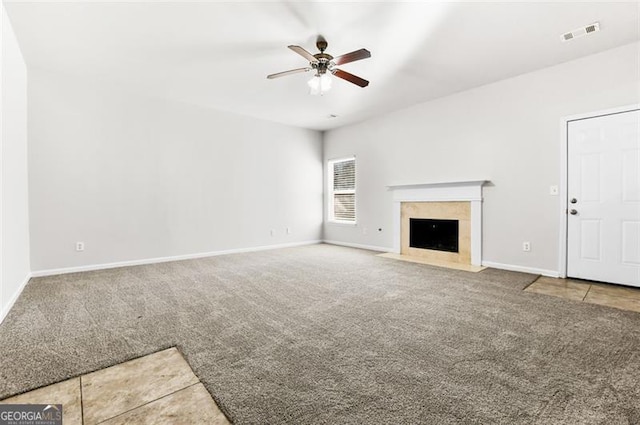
(14,210)
(508,132)
(136,178)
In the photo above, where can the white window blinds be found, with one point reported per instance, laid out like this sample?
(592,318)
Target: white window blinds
(343,190)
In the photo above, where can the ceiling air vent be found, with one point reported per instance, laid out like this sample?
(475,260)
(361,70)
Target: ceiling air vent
(595,27)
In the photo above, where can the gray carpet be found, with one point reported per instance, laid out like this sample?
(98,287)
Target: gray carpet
(330,335)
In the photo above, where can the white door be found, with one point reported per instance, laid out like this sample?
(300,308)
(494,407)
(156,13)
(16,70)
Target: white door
(603,189)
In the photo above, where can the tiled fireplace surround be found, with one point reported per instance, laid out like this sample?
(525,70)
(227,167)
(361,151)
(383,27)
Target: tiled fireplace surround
(460,201)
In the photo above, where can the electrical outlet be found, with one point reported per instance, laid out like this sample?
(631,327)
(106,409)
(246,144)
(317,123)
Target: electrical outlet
(273,232)
(526,246)
(79,246)
(288,230)
(553,190)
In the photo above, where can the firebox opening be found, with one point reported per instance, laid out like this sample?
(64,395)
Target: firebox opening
(439,235)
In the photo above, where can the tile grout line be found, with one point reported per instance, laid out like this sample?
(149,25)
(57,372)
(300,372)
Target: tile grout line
(81,403)
(587,293)
(149,402)
(527,287)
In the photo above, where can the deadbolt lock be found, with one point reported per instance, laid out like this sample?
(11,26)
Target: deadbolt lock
(573,200)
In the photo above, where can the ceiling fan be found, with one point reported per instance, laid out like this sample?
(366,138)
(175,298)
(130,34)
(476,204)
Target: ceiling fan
(323,63)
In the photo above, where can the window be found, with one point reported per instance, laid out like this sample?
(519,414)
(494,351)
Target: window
(342,185)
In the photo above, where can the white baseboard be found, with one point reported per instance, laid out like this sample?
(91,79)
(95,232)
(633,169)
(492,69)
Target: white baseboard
(357,245)
(14,298)
(52,272)
(523,269)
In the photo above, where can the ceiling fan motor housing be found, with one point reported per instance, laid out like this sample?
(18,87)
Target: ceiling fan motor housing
(323,64)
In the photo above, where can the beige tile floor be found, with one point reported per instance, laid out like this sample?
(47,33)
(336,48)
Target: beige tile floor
(159,388)
(622,297)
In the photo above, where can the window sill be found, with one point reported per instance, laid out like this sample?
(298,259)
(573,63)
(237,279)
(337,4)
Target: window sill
(342,223)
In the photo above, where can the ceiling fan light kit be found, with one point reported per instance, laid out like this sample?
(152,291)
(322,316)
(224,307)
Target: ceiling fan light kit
(319,84)
(325,64)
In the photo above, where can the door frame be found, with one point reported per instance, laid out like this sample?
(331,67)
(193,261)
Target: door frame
(564,178)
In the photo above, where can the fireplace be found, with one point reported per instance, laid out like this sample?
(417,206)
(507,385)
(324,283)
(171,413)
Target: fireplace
(439,235)
(454,208)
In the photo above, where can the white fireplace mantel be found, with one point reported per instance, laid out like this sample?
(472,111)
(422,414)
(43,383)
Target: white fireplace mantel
(458,191)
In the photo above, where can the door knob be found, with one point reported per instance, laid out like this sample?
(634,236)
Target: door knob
(573,200)
(573,212)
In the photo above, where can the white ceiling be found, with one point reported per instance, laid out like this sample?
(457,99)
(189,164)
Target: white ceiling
(217,54)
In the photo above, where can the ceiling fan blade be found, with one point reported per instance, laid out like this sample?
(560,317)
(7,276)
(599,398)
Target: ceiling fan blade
(284,73)
(350,77)
(302,52)
(352,57)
